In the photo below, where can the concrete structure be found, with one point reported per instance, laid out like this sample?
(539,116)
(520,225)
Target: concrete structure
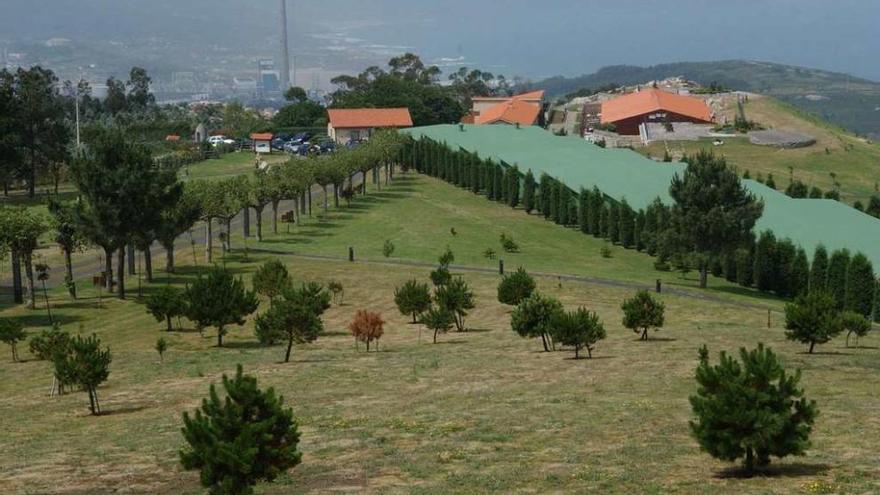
(285,49)
(262,142)
(522,109)
(354,124)
(628,112)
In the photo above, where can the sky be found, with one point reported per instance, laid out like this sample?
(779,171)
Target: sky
(515,37)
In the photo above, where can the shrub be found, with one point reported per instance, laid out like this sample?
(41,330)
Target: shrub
(643,312)
(447,258)
(161,347)
(413,299)
(336,291)
(750,409)
(244,438)
(366,327)
(441,276)
(580,329)
(295,318)
(11,332)
(605,251)
(166,303)
(508,244)
(516,287)
(388,248)
(46,344)
(489,253)
(813,319)
(533,318)
(219,300)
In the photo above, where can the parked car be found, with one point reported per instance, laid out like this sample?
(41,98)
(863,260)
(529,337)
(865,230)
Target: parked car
(217,140)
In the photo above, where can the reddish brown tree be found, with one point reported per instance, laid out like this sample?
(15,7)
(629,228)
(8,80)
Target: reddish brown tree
(367,327)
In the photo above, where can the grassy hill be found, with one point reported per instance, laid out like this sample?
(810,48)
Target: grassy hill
(853,161)
(482,411)
(850,102)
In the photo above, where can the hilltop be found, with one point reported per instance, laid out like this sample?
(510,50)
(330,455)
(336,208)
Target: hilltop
(849,102)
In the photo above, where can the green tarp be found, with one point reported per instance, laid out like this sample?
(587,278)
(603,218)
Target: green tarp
(621,173)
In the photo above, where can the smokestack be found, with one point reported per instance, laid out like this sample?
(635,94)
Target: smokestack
(285,51)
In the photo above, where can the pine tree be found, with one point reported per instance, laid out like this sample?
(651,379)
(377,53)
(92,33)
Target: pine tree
(784,259)
(813,319)
(838,266)
(11,332)
(580,329)
(604,225)
(505,184)
(614,223)
(554,201)
(475,175)
(745,266)
(800,274)
(639,231)
(498,181)
(584,211)
(166,303)
(562,209)
(86,365)
(533,318)
(513,187)
(457,298)
(546,193)
(596,205)
(413,299)
(750,409)
(765,272)
(246,437)
(877,301)
(650,232)
(516,287)
(296,317)
(643,312)
(819,270)
(860,285)
(627,224)
(218,300)
(271,279)
(529,192)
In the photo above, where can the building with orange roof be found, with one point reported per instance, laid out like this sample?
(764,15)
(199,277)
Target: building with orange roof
(354,124)
(628,112)
(522,109)
(262,142)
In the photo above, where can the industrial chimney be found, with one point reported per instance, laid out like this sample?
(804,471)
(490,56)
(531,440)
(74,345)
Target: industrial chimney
(285,51)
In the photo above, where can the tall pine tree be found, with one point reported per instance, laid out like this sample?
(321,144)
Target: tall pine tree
(838,266)
(529,186)
(764,273)
(860,285)
(584,211)
(627,224)
(614,223)
(819,270)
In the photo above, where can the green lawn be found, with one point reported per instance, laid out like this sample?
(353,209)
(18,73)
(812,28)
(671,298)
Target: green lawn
(482,411)
(228,165)
(855,162)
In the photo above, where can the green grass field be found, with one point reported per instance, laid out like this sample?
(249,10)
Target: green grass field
(481,411)
(854,161)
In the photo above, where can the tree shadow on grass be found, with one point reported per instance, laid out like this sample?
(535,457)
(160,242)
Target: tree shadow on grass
(122,410)
(588,359)
(792,470)
(451,342)
(336,333)
(477,330)
(42,320)
(656,339)
(825,353)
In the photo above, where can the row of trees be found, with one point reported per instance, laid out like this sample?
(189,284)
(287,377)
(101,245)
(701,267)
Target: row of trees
(708,227)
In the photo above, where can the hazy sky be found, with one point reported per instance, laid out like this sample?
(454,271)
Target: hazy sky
(532,38)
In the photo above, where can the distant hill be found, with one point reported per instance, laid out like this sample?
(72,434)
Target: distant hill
(850,102)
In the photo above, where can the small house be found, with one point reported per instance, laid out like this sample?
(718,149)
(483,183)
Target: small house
(345,125)
(262,142)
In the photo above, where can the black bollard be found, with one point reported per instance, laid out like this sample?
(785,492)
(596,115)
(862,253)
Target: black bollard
(350,254)
(659,287)
(500,267)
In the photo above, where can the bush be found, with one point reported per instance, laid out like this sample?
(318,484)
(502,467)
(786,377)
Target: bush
(244,438)
(508,244)
(366,327)
(388,248)
(643,312)
(489,253)
(855,323)
(516,287)
(750,410)
(46,344)
(219,300)
(457,298)
(161,347)
(413,299)
(580,329)
(605,251)
(813,319)
(295,318)
(336,291)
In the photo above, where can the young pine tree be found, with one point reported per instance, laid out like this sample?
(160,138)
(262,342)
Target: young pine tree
(516,287)
(750,409)
(533,317)
(11,332)
(813,319)
(580,329)
(643,312)
(412,298)
(166,303)
(246,437)
(86,365)
(219,300)
(271,279)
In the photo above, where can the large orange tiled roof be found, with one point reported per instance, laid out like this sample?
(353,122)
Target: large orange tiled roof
(654,100)
(518,109)
(341,118)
